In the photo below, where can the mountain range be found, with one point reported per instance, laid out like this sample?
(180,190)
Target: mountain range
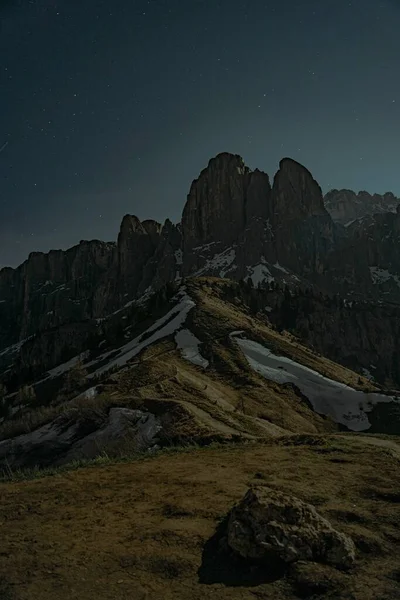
(346,207)
(236,225)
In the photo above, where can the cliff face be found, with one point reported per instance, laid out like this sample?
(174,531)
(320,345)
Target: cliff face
(235,211)
(235,225)
(215,208)
(364,336)
(304,231)
(219,205)
(85,282)
(51,289)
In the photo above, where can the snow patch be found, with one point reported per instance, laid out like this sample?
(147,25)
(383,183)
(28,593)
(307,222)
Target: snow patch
(235,333)
(178,257)
(222,262)
(260,273)
(163,327)
(188,344)
(14,348)
(67,366)
(88,394)
(204,246)
(379,276)
(60,288)
(342,403)
(368,374)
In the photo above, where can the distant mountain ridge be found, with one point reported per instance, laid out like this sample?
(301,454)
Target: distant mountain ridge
(345,206)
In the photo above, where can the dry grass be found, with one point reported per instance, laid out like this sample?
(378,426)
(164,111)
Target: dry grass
(229,398)
(229,392)
(29,420)
(147,529)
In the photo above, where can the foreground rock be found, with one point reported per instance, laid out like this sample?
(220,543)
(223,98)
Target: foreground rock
(269,525)
(74,438)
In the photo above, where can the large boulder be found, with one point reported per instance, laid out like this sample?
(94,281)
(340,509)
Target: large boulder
(126,430)
(269,525)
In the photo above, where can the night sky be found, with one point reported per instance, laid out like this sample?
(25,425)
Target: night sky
(114,107)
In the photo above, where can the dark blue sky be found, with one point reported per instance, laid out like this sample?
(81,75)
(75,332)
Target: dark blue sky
(114,107)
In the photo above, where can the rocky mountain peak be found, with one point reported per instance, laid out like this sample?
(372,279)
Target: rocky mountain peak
(224,159)
(137,242)
(215,207)
(131,224)
(390,197)
(295,192)
(153,229)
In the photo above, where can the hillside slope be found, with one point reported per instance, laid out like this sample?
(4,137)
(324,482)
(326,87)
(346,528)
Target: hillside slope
(205,369)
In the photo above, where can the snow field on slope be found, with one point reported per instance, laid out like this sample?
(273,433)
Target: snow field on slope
(163,327)
(342,403)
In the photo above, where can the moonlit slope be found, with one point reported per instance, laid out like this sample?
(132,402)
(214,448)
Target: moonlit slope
(342,403)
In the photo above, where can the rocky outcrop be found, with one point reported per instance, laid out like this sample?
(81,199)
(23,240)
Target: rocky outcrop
(232,213)
(304,232)
(226,201)
(215,207)
(166,262)
(268,525)
(70,438)
(345,206)
(136,244)
(296,194)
